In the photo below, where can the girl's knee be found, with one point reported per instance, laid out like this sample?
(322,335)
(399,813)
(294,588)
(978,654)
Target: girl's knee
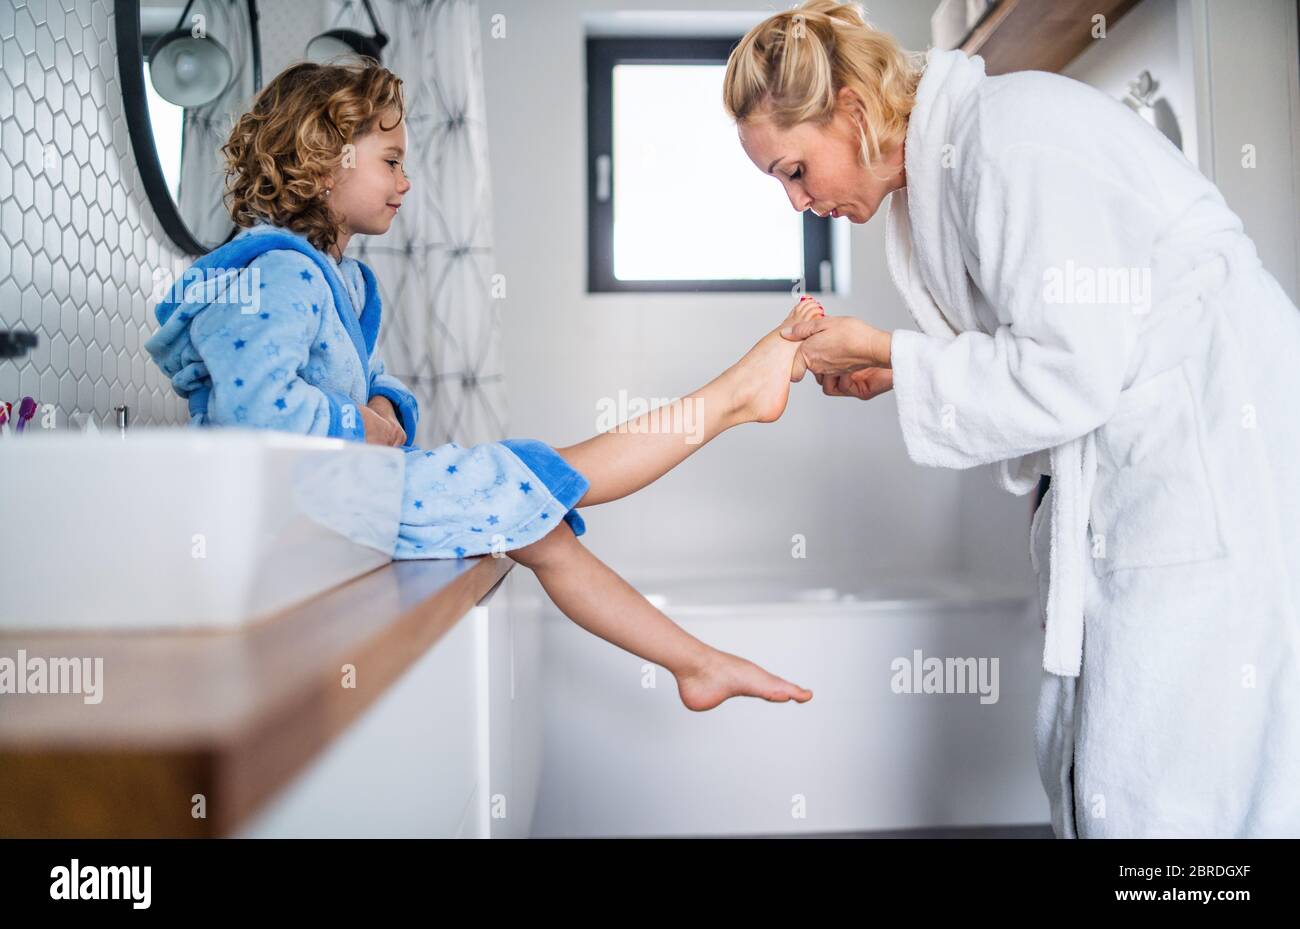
(546,549)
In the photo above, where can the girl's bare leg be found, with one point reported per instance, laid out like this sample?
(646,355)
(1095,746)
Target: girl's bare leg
(643,449)
(600,601)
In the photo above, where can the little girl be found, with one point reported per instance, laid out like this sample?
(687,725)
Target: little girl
(286,340)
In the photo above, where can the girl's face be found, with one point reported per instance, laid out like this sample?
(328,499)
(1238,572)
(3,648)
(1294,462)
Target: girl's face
(368,188)
(821,167)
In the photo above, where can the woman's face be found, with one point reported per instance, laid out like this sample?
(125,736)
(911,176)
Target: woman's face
(820,167)
(370,184)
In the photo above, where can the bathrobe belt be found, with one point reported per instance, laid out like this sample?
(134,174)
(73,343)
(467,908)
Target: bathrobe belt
(1074,471)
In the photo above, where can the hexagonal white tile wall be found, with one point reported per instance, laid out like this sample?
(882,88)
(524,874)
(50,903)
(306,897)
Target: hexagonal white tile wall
(78,239)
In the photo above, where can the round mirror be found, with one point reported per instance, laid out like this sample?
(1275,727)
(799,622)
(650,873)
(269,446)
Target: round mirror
(188,69)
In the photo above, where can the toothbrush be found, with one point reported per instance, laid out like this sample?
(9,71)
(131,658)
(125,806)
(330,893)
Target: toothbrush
(26,410)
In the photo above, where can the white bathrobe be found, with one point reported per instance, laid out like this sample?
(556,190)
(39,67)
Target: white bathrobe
(1090,308)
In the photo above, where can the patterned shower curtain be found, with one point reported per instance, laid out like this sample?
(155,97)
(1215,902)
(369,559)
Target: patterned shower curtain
(441,331)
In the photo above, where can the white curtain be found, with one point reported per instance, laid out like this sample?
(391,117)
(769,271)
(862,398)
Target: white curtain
(441,331)
(206,128)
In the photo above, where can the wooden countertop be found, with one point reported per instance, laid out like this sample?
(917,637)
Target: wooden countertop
(230,715)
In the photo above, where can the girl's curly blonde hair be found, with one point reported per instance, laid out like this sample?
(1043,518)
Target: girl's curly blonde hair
(282,152)
(789,68)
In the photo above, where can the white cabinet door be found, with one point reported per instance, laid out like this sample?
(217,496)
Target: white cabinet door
(408,767)
(508,639)
(453,749)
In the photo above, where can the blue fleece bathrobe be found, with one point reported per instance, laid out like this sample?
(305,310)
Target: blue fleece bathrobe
(262,332)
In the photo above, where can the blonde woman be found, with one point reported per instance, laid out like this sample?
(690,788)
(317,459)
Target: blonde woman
(1088,308)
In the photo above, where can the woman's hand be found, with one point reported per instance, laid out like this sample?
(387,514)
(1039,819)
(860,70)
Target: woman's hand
(381,423)
(863,384)
(837,345)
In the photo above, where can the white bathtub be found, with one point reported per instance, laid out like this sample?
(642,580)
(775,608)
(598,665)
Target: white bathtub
(623,757)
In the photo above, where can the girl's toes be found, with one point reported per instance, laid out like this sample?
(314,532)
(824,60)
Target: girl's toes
(806,309)
(794,693)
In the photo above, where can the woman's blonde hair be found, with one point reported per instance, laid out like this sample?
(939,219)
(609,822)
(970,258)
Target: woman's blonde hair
(790,67)
(281,153)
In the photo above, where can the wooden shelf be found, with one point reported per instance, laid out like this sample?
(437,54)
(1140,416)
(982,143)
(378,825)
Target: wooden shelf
(1039,35)
(230,715)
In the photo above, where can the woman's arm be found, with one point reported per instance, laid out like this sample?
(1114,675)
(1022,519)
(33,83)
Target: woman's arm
(1043,222)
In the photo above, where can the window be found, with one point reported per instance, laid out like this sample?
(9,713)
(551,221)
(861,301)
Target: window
(673,202)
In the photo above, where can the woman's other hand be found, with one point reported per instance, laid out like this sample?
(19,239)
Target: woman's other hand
(381,423)
(863,384)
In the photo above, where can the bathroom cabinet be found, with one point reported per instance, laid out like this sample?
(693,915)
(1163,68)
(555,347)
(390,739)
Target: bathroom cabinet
(436,756)
(1040,35)
(402,703)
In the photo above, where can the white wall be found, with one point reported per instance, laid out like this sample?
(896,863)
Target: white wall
(832,469)
(1151,37)
(1246,61)
(1229,71)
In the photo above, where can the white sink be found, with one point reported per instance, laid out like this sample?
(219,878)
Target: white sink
(186,528)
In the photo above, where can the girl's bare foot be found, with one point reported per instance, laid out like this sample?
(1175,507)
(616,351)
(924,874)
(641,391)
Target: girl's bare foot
(761,380)
(724,675)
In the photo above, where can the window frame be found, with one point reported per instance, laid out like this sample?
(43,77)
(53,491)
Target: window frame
(603,54)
